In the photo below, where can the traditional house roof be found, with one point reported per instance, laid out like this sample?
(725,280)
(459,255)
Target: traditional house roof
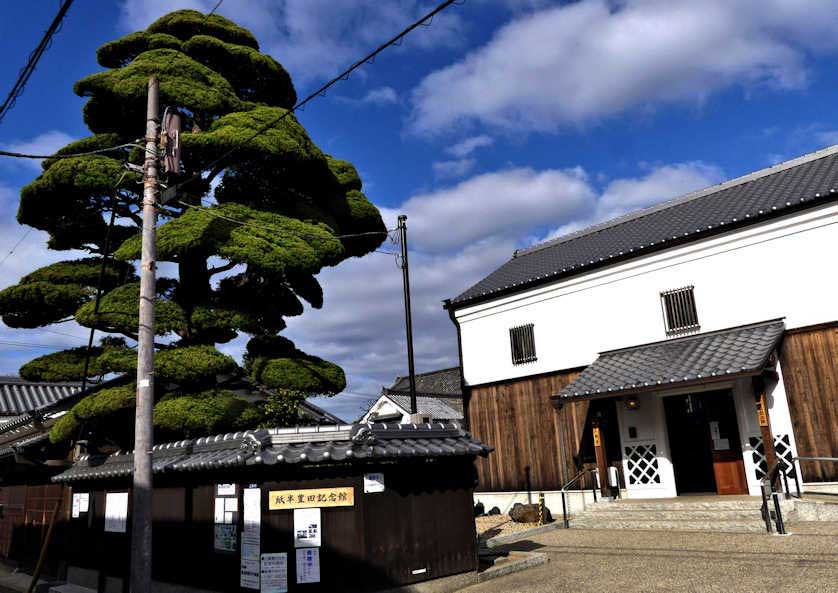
(297,446)
(787,187)
(18,396)
(703,358)
(438,393)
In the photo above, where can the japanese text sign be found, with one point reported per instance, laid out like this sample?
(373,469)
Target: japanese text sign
(314,497)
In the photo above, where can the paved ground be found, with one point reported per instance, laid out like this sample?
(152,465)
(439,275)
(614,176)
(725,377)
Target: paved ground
(605,561)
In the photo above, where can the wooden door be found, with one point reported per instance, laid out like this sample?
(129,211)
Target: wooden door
(723,432)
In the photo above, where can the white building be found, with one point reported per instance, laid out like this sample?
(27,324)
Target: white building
(649,343)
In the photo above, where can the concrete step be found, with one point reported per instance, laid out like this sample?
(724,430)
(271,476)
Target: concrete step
(651,505)
(587,522)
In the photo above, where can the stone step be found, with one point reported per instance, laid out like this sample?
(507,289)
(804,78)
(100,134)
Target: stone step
(675,514)
(586,522)
(651,505)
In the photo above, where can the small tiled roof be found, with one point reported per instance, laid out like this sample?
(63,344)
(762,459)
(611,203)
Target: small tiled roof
(803,182)
(704,357)
(18,396)
(308,446)
(436,408)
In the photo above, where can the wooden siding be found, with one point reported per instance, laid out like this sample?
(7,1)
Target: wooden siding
(517,418)
(809,359)
(423,519)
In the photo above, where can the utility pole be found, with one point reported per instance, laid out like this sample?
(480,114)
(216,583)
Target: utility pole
(143,437)
(408,320)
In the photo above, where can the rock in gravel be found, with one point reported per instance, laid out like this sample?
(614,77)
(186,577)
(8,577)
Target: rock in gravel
(494,511)
(479,509)
(528,513)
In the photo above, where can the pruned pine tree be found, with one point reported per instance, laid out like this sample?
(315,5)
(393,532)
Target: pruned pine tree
(292,205)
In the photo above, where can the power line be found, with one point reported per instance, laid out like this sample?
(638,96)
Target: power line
(15,246)
(32,62)
(19,155)
(369,58)
(210,212)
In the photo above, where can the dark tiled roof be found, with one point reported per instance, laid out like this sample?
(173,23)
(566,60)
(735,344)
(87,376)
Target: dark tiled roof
(321,444)
(710,356)
(18,396)
(803,182)
(438,408)
(441,382)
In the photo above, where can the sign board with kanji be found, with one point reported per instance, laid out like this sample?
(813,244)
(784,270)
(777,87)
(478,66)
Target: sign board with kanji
(315,497)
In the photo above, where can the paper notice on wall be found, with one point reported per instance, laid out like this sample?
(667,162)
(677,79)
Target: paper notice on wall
(116,512)
(231,504)
(249,574)
(308,565)
(76,506)
(251,544)
(306,528)
(373,483)
(219,511)
(225,538)
(274,573)
(84,502)
(715,433)
(225,490)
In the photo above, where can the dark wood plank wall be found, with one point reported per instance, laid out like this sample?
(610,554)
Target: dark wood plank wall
(809,360)
(519,421)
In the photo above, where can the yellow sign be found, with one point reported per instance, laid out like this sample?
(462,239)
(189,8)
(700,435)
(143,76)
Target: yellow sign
(597,438)
(313,497)
(762,414)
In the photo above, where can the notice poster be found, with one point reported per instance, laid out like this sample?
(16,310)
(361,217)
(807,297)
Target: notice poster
(219,511)
(76,506)
(308,565)
(373,483)
(84,502)
(116,512)
(274,573)
(251,536)
(225,538)
(225,490)
(306,528)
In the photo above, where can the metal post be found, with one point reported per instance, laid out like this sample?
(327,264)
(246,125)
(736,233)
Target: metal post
(778,514)
(408,321)
(564,511)
(143,437)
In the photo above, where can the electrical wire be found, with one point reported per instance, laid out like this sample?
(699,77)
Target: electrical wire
(19,155)
(32,62)
(369,58)
(15,246)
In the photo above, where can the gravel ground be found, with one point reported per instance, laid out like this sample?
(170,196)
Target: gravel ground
(495,525)
(606,561)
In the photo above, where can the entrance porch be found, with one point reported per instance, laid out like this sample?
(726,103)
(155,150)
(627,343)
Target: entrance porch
(701,414)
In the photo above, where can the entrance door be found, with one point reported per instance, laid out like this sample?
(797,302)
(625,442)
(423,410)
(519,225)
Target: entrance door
(704,443)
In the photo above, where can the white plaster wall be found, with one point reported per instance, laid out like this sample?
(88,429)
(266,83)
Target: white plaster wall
(775,269)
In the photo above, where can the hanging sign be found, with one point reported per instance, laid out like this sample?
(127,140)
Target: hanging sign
(274,573)
(597,437)
(116,512)
(308,565)
(314,497)
(762,413)
(251,538)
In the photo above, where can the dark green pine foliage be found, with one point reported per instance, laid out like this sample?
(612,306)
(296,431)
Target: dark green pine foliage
(232,279)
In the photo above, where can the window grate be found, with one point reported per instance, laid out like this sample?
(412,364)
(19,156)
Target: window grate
(679,311)
(522,340)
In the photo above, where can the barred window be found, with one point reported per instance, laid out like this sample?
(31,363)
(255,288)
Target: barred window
(679,311)
(522,340)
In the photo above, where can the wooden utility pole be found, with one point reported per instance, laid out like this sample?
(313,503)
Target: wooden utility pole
(143,437)
(408,321)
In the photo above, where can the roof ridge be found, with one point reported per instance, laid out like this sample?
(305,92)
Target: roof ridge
(677,201)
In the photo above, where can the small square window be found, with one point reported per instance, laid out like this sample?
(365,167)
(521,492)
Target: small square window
(679,312)
(522,340)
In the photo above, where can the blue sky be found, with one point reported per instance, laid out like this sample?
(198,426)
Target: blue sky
(504,123)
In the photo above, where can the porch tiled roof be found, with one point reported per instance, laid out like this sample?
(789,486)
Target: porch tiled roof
(710,356)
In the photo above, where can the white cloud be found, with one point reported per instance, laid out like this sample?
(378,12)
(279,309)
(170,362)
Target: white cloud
(46,143)
(453,169)
(500,204)
(381,96)
(586,60)
(469,145)
(315,39)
